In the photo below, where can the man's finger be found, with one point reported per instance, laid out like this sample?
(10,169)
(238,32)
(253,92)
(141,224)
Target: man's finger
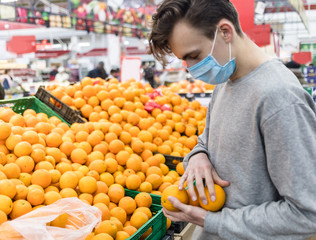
(200,188)
(171,217)
(190,185)
(218,180)
(182,180)
(210,185)
(177,204)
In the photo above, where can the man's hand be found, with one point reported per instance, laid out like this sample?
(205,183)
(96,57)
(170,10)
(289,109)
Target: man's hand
(200,168)
(187,213)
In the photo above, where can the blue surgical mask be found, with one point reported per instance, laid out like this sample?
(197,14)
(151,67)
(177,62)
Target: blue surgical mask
(210,71)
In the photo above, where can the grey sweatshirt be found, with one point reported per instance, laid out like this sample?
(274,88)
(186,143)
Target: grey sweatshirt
(260,135)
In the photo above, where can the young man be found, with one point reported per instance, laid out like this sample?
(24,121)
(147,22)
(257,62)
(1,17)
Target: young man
(259,141)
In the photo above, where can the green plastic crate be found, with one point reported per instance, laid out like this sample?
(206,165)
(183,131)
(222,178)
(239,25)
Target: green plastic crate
(158,222)
(169,161)
(21,104)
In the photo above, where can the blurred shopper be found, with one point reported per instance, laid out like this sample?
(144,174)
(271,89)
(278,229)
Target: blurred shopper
(53,73)
(2,93)
(62,75)
(7,79)
(296,69)
(114,73)
(149,74)
(99,71)
(259,141)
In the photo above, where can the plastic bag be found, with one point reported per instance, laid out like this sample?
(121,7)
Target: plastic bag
(80,220)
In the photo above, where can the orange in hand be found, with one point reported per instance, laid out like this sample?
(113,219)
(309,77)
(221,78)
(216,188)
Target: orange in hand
(173,191)
(219,202)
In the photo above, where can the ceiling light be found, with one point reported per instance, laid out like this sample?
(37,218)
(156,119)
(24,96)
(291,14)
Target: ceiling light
(84,44)
(8,1)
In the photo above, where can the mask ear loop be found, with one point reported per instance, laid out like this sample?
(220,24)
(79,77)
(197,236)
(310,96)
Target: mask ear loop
(230,51)
(214,41)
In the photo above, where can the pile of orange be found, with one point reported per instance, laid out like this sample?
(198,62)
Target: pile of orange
(185,86)
(42,162)
(167,132)
(43,159)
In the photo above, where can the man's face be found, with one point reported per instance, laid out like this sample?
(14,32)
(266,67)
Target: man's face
(191,45)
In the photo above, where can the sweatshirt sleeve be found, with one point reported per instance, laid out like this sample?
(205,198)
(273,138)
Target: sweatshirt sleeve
(290,144)
(202,141)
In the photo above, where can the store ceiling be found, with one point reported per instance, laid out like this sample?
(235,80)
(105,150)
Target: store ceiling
(275,6)
(283,18)
(40,5)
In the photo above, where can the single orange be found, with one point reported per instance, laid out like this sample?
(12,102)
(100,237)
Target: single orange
(22,149)
(107,227)
(145,187)
(25,163)
(87,184)
(218,203)
(8,188)
(111,165)
(145,210)
(155,180)
(104,209)
(116,146)
(128,204)
(41,177)
(51,197)
(133,182)
(11,170)
(19,208)
(143,200)
(116,193)
(35,197)
(79,156)
(174,191)
(138,219)
(119,213)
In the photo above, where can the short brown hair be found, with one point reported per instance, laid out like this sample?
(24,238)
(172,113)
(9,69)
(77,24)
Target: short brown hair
(200,14)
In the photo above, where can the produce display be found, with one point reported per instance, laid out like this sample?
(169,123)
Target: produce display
(120,147)
(162,120)
(185,86)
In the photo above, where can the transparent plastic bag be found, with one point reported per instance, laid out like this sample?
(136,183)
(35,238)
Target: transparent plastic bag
(80,219)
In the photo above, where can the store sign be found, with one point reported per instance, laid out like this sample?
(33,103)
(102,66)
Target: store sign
(22,44)
(298,5)
(43,45)
(260,34)
(96,52)
(50,54)
(246,12)
(302,57)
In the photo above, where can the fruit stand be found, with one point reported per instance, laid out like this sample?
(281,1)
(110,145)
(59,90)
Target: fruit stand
(115,146)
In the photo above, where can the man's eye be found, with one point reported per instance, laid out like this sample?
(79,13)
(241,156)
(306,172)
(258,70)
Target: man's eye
(194,57)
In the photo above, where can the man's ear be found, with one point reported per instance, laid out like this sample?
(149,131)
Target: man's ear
(227,30)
